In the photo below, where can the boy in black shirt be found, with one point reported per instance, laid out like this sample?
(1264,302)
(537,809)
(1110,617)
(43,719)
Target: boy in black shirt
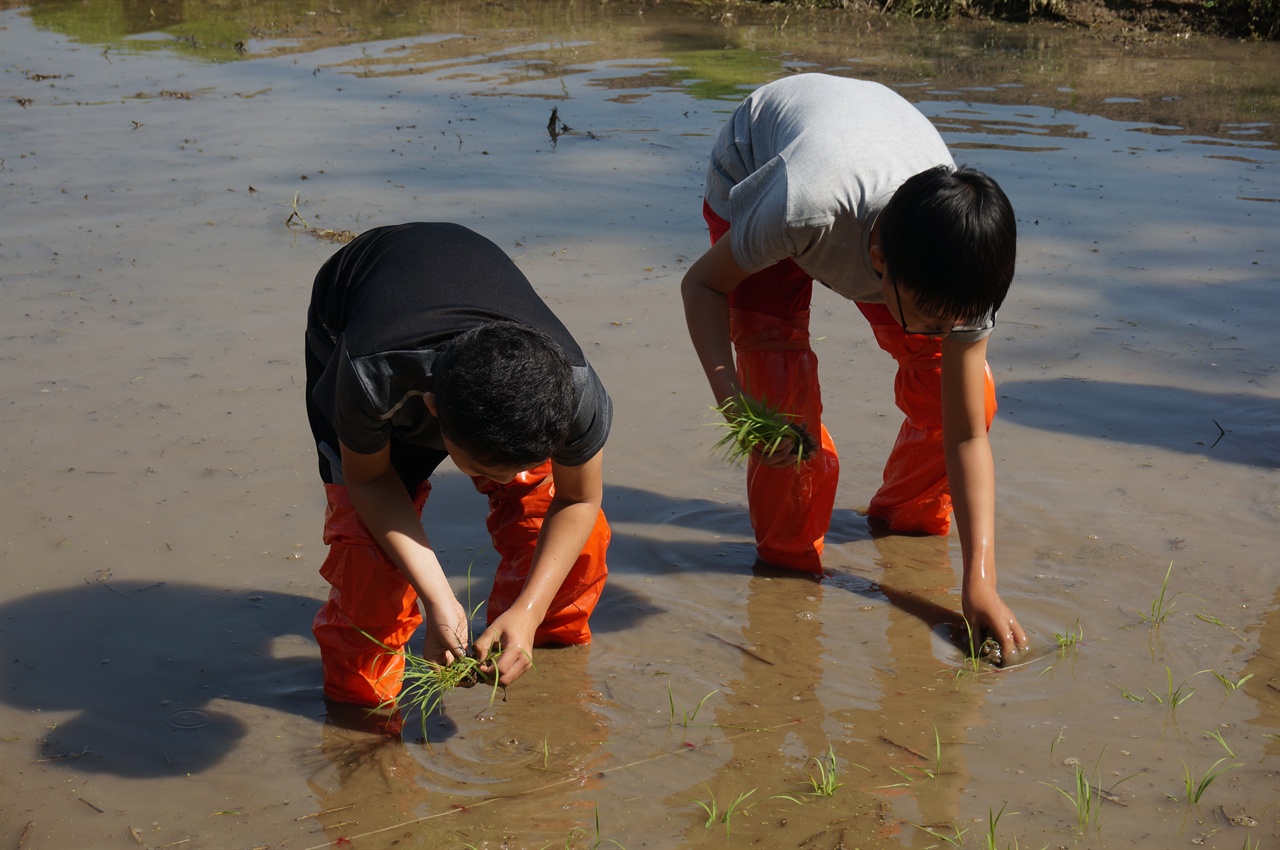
(424,341)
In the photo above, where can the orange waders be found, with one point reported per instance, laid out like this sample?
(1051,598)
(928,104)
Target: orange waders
(915,496)
(769,322)
(369,593)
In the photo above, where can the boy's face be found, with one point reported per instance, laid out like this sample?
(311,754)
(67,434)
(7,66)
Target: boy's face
(467,462)
(902,303)
(468,465)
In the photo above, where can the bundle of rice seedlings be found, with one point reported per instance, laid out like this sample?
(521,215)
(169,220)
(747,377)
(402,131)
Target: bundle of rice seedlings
(751,424)
(426,683)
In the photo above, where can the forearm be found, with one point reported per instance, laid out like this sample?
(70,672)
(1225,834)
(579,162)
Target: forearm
(386,510)
(565,530)
(707,316)
(971,474)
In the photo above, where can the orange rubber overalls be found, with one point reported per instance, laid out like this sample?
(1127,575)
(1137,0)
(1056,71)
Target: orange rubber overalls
(370,594)
(791,506)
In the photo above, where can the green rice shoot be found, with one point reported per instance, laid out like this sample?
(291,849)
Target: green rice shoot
(427,683)
(752,424)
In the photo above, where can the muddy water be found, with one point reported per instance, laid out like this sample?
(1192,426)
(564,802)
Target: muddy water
(165,195)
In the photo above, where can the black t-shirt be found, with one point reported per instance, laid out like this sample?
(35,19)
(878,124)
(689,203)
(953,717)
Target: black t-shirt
(383,306)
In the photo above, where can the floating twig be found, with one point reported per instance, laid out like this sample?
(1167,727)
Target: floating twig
(326,812)
(63,757)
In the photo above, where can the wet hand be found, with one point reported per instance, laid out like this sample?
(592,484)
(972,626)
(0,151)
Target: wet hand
(783,455)
(448,631)
(989,617)
(510,638)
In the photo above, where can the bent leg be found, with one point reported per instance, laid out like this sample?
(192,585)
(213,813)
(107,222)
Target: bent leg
(516,514)
(369,603)
(790,506)
(915,496)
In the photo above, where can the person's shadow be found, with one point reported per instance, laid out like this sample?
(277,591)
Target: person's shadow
(146,665)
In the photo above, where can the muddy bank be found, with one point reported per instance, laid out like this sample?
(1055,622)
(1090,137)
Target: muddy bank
(1135,21)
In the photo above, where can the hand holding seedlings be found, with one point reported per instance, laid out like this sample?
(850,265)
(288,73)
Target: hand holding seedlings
(753,429)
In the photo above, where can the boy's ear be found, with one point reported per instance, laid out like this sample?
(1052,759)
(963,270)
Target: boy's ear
(877,257)
(429,399)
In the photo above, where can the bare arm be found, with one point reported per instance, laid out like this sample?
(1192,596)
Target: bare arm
(705,291)
(569,522)
(971,473)
(383,504)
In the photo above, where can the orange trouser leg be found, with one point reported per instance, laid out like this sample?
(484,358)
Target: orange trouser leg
(769,321)
(516,512)
(791,505)
(915,496)
(367,594)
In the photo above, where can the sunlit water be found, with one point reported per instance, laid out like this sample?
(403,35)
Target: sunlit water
(162,516)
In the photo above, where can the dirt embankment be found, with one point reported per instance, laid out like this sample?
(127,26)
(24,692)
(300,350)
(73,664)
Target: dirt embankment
(1118,19)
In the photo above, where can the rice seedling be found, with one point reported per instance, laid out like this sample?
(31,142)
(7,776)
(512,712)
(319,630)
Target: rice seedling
(827,780)
(1131,697)
(579,832)
(1194,789)
(688,717)
(1087,795)
(1071,638)
(929,771)
(1174,697)
(993,821)
(1217,736)
(726,817)
(426,683)
(1209,618)
(1227,684)
(752,424)
(1161,609)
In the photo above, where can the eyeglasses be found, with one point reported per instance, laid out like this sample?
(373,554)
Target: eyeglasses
(936,334)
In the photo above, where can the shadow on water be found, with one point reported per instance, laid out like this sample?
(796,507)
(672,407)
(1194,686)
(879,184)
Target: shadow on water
(145,665)
(142,663)
(1228,427)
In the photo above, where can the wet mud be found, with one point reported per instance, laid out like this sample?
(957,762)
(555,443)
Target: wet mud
(170,185)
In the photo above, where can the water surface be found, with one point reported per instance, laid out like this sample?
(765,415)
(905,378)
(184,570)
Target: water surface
(167,199)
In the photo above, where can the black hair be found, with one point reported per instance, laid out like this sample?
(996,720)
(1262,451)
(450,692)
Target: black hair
(949,237)
(504,393)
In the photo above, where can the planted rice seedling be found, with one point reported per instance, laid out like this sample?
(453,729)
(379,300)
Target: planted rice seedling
(1226,682)
(726,817)
(579,832)
(930,772)
(1194,790)
(1071,637)
(1161,609)
(752,424)
(993,821)
(687,716)
(827,780)
(1087,795)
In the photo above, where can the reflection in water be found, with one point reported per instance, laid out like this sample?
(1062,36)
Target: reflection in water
(485,764)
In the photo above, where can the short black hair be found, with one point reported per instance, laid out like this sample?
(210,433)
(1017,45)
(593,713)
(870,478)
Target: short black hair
(504,393)
(949,237)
